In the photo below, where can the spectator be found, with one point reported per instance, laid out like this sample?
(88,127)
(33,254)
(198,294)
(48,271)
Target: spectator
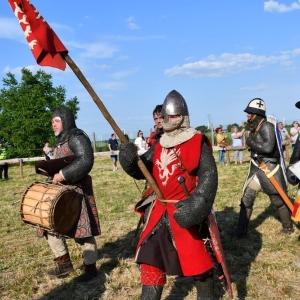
(237,141)
(4,166)
(48,151)
(284,134)
(147,139)
(294,133)
(140,143)
(221,141)
(113,146)
(158,130)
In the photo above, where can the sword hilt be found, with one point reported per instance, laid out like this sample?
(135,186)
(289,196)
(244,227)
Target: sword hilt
(181,180)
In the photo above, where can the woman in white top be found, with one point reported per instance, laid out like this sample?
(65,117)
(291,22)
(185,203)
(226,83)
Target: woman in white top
(237,141)
(294,133)
(140,143)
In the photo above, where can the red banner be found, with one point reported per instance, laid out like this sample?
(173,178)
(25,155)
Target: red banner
(42,40)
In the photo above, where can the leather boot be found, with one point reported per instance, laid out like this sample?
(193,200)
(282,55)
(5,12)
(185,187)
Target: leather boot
(242,227)
(245,214)
(205,289)
(151,292)
(90,272)
(284,214)
(63,266)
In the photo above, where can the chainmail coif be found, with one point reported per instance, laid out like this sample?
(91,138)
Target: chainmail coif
(68,121)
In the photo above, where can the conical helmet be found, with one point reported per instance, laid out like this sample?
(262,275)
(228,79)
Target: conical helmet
(174,105)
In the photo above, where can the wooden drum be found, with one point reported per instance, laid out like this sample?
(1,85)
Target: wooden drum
(52,207)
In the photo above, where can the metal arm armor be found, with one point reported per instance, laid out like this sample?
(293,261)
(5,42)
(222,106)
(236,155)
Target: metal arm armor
(196,207)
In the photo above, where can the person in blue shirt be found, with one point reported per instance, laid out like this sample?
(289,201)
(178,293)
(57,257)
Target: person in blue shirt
(113,146)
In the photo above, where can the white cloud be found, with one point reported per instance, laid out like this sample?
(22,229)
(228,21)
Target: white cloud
(10,29)
(274,6)
(189,58)
(226,64)
(255,88)
(112,85)
(296,52)
(131,23)
(56,26)
(123,57)
(136,38)
(102,67)
(122,74)
(34,69)
(94,50)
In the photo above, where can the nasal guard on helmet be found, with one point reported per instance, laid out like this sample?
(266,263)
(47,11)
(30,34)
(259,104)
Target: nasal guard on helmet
(174,105)
(256,106)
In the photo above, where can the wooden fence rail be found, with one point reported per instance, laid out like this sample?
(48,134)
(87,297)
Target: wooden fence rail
(20,161)
(227,149)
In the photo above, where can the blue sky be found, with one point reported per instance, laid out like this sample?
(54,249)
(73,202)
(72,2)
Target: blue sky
(218,54)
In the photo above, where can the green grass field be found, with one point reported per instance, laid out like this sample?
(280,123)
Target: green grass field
(265,265)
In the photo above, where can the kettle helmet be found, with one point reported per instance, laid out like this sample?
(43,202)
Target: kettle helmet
(256,106)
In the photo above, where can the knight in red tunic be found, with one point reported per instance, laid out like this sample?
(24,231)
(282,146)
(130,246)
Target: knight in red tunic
(184,169)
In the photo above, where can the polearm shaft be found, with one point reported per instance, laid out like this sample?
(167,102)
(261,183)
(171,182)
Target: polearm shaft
(110,120)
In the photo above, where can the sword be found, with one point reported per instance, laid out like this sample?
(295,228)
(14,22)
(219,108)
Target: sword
(221,267)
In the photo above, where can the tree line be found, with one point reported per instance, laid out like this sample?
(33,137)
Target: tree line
(25,111)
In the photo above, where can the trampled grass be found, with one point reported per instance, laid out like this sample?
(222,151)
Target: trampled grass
(265,265)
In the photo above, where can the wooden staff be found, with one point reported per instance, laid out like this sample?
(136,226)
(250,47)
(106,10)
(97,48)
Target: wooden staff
(110,120)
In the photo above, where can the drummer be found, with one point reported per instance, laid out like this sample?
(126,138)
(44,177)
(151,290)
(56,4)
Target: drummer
(73,141)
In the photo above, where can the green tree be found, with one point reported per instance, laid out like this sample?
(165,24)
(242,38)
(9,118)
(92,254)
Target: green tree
(202,128)
(232,125)
(25,111)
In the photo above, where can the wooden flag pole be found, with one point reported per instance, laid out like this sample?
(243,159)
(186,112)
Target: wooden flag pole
(110,120)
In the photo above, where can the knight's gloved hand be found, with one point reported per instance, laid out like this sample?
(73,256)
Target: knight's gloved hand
(127,154)
(188,213)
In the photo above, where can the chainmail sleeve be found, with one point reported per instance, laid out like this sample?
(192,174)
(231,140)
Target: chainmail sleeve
(195,208)
(82,165)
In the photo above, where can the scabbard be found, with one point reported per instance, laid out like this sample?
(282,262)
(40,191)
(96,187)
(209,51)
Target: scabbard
(276,185)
